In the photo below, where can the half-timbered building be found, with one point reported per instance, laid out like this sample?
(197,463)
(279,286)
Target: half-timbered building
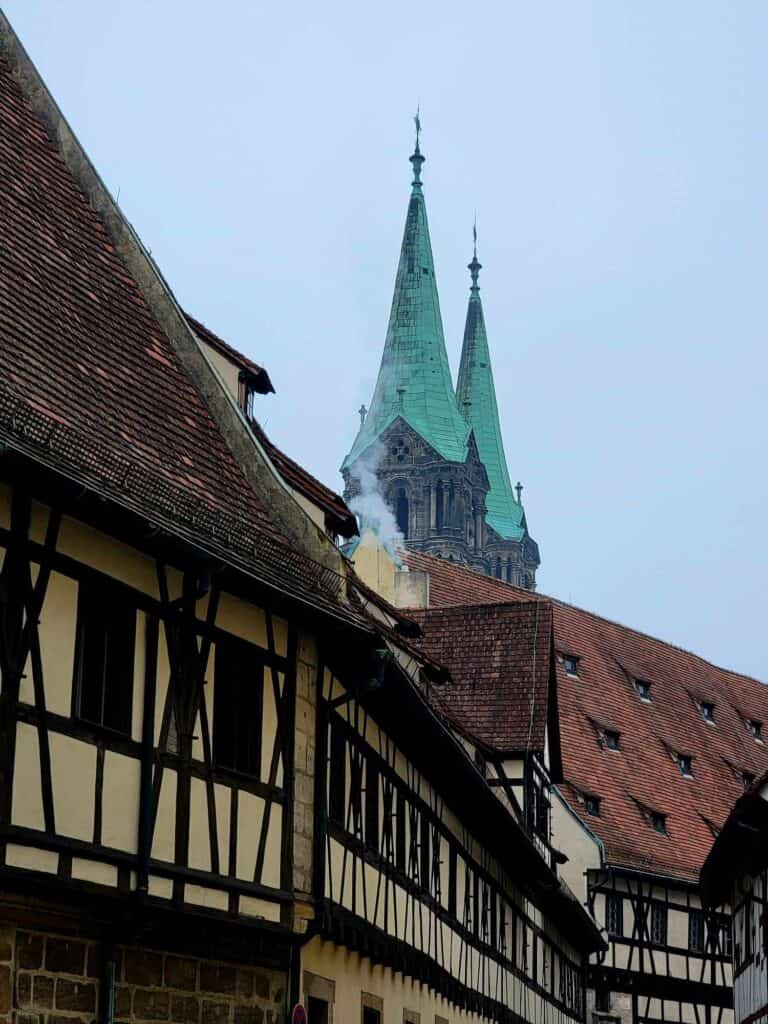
(223,786)
(655,745)
(735,876)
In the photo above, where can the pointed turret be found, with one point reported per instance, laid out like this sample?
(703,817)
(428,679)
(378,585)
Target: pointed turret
(414,378)
(476,397)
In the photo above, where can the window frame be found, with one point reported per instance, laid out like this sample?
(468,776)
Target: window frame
(243,654)
(659,922)
(94,598)
(614,914)
(575,661)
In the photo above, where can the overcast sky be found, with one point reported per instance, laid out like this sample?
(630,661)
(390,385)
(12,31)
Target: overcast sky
(616,156)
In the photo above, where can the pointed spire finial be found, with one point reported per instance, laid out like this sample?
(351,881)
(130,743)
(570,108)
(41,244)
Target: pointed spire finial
(416,158)
(475,266)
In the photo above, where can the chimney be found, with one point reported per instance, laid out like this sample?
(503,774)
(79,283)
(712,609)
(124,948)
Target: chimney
(411,589)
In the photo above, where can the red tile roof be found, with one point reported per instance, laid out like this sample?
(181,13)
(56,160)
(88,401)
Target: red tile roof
(258,374)
(499,657)
(91,385)
(338,518)
(643,773)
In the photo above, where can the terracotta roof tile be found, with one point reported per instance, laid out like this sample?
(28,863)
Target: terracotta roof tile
(643,771)
(91,386)
(499,658)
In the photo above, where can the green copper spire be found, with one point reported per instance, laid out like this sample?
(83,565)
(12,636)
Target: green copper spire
(414,377)
(476,396)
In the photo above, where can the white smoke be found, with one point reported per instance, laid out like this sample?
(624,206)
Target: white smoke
(369,505)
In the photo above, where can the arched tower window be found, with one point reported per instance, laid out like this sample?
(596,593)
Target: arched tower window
(401,511)
(451,503)
(439,505)
(498,568)
(509,570)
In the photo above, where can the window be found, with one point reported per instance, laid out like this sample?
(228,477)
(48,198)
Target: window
(571,664)
(411,1017)
(372,805)
(723,934)
(685,764)
(106,634)
(747,778)
(611,740)
(658,822)
(317,1010)
(614,914)
(658,923)
(707,711)
(337,789)
(755,728)
(696,934)
(401,512)
(592,804)
(603,1000)
(237,701)
(372,1009)
(643,690)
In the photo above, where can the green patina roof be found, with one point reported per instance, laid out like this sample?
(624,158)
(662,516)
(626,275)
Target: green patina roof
(476,396)
(414,377)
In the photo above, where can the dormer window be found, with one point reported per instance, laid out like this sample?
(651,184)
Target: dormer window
(643,690)
(684,763)
(611,740)
(707,711)
(658,821)
(571,664)
(592,804)
(755,729)
(747,778)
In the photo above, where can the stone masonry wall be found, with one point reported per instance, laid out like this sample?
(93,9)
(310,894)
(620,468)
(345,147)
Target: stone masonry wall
(53,979)
(304,768)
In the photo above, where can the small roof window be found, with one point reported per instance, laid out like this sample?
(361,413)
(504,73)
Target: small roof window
(685,764)
(643,689)
(707,709)
(658,821)
(592,804)
(747,778)
(571,664)
(611,740)
(755,729)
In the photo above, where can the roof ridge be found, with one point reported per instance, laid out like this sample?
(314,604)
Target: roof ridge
(253,464)
(586,611)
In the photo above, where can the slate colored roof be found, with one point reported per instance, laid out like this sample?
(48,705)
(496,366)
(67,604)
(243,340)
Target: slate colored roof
(741,848)
(499,657)
(258,374)
(92,387)
(476,397)
(642,775)
(414,377)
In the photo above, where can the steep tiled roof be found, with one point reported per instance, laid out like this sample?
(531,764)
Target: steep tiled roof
(90,384)
(338,517)
(643,774)
(258,374)
(499,657)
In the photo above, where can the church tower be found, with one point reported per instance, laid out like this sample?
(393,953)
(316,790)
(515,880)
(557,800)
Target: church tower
(511,553)
(418,446)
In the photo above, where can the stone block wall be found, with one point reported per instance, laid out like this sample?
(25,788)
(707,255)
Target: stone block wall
(54,979)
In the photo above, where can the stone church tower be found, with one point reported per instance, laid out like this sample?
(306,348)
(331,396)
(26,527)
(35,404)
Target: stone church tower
(437,455)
